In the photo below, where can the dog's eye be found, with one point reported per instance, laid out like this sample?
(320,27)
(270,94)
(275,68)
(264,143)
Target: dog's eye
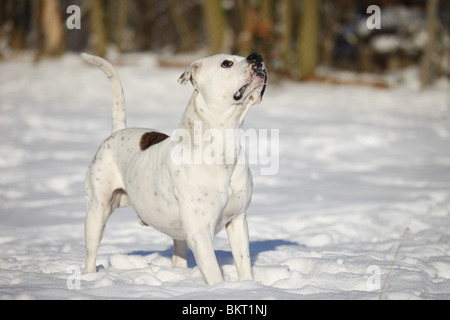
(227,64)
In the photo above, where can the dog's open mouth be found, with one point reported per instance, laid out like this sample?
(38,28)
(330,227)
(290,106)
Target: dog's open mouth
(262,74)
(238,95)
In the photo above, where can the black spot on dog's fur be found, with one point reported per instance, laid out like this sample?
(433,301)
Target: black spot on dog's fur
(148,139)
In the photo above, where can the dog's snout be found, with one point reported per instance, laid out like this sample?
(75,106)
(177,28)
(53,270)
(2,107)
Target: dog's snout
(256,59)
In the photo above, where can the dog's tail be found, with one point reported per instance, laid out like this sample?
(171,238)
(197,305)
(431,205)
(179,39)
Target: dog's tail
(119,121)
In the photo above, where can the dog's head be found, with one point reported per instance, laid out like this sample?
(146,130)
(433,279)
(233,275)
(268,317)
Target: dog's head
(228,79)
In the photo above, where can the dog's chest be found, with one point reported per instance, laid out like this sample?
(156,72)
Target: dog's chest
(171,205)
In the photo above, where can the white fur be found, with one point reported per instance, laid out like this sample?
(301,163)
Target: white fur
(189,202)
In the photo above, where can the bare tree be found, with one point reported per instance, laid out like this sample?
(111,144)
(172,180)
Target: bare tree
(427,73)
(181,25)
(214,16)
(309,32)
(52,27)
(98,27)
(122,19)
(268,13)
(48,33)
(287,20)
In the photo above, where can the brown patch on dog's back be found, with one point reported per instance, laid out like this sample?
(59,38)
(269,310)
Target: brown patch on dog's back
(150,138)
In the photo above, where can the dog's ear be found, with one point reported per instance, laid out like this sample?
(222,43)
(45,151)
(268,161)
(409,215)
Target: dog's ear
(191,72)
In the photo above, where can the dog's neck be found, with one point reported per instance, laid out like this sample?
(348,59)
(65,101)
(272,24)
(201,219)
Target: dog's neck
(218,117)
(224,121)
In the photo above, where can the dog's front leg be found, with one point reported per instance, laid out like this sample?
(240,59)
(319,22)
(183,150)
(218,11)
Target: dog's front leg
(201,244)
(237,232)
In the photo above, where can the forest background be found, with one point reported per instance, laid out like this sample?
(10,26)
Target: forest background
(294,36)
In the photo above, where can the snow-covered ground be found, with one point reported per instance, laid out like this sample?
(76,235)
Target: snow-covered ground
(360,203)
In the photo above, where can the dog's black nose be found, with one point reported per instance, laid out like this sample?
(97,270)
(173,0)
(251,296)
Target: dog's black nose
(256,59)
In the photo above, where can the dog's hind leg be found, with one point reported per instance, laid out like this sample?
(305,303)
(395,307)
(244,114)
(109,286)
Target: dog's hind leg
(96,217)
(99,206)
(179,258)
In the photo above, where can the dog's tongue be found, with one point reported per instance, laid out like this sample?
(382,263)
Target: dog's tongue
(238,95)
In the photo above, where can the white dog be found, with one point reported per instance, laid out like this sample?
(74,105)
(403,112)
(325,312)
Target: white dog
(190,202)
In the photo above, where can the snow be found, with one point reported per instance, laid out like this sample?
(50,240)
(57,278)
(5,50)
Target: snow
(360,203)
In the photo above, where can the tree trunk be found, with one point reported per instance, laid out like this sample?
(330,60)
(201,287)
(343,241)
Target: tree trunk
(13,14)
(268,10)
(98,27)
(427,73)
(308,53)
(286,36)
(122,19)
(180,25)
(215,25)
(51,26)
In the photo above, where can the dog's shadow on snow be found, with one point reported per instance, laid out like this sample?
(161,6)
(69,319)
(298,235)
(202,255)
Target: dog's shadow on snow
(225,257)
